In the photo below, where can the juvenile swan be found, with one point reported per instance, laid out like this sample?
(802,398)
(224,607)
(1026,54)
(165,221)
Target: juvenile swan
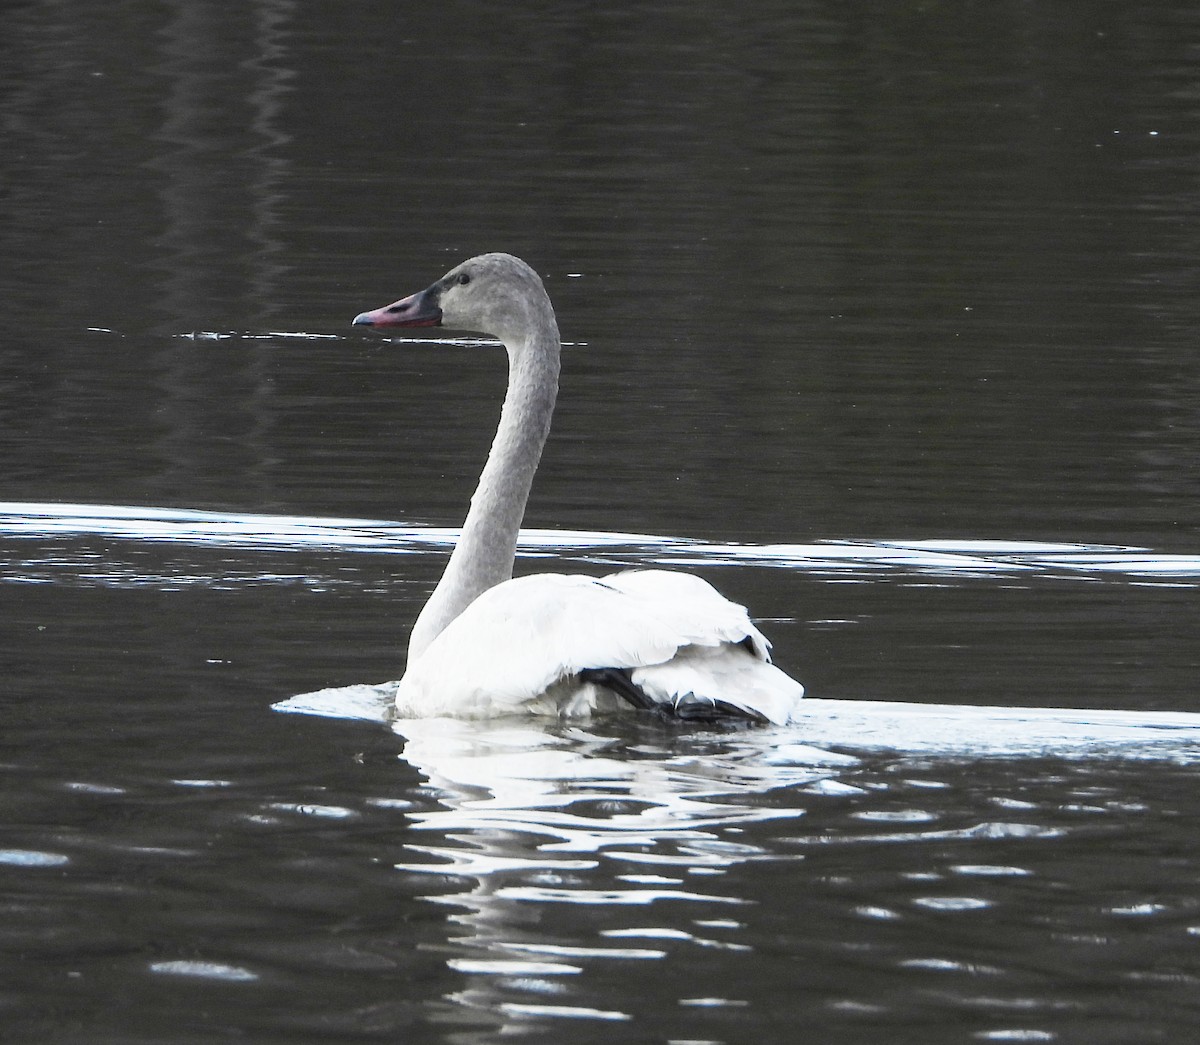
(486,644)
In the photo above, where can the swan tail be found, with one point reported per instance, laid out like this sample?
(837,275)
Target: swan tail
(686,707)
(703,683)
(618,680)
(690,708)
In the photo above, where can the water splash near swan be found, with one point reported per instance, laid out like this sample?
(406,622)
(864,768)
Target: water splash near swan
(831,729)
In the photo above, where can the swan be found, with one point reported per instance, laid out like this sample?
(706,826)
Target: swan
(487,644)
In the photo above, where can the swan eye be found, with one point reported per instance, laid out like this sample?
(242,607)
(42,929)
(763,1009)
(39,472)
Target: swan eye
(463,279)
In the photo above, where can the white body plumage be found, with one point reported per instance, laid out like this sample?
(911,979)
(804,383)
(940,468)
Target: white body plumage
(523,644)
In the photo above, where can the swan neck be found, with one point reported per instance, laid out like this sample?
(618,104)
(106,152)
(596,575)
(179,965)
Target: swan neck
(486,550)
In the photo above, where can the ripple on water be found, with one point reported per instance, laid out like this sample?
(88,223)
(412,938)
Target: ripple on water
(950,965)
(87,788)
(563,1012)
(204,971)
(952,903)
(963,558)
(1015,1035)
(32,858)
(570,951)
(325,812)
(512,967)
(1139,910)
(609,897)
(894,816)
(990,870)
(880,913)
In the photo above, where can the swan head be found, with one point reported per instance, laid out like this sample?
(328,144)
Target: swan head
(495,294)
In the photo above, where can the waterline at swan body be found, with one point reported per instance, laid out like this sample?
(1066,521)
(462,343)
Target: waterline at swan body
(486,644)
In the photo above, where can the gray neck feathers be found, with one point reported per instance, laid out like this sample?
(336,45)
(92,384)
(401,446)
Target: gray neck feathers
(487,548)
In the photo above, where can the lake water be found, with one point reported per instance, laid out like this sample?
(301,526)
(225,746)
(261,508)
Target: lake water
(883,321)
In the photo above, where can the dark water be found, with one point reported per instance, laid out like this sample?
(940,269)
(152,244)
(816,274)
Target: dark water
(882,319)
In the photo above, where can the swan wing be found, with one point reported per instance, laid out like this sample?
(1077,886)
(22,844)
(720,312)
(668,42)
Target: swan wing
(695,608)
(519,638)
(526,636)
(725,657)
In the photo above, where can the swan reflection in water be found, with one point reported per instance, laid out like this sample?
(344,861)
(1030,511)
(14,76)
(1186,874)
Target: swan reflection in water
(623,815)
(570,788)
(536,818)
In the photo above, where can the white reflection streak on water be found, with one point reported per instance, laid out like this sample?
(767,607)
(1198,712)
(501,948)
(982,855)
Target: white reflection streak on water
(961,558)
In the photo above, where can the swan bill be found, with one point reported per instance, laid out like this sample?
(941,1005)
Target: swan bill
(416,310)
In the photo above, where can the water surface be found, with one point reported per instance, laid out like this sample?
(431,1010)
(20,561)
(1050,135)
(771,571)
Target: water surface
(883,323)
